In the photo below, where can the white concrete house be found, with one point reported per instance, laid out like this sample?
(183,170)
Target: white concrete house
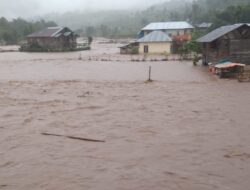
(156,42)
(171,28)
(179,32)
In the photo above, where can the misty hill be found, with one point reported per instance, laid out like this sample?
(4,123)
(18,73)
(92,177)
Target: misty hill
(12,32)
(126,23)
(122,23)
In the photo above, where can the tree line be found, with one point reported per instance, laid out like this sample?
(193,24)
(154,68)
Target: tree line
(127,23)
(218,12)
(12,32)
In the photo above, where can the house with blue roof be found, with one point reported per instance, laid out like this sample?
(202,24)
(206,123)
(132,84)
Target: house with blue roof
(179,32)
(170,28)
(156,42)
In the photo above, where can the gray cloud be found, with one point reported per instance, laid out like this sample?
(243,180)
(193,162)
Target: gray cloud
(33,8)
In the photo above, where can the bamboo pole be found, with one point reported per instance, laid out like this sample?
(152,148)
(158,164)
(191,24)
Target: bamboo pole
(149,74)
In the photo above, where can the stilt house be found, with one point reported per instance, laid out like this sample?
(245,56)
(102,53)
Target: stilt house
(231,43)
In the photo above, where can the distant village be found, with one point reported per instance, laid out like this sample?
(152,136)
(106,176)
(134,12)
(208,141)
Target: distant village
(229,45)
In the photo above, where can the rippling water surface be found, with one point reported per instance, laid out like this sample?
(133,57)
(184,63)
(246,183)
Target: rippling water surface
(187,130)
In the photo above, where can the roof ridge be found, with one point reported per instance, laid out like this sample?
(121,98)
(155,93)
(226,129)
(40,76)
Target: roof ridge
(155,36)
(168,25)
(59,30)
(217,33)
(47,32)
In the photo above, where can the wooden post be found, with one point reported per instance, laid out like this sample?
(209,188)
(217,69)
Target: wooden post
(149,74)
(80,57)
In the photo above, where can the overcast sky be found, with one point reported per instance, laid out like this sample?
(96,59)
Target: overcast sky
(32,8)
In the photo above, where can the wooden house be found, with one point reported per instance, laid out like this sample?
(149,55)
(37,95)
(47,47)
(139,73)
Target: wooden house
(180,32)
(131,48)
(156,42)
(230,43)
(52,39)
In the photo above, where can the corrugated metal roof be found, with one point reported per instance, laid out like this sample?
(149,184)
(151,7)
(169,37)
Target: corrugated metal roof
(130,44)
(168,26)
(67,33)
(219,32)
(155,36)
(204,25)
(229,64)
(57,35)
(47,32)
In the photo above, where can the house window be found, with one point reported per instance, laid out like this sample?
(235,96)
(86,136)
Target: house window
(146,49)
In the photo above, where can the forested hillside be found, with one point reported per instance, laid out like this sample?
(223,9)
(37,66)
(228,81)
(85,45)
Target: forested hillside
(11,32)
(219,12)
(126,23)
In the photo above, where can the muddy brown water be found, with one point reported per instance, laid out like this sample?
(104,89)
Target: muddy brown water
(187,130)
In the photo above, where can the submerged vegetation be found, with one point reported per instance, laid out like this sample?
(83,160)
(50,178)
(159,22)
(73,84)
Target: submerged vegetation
(37,48)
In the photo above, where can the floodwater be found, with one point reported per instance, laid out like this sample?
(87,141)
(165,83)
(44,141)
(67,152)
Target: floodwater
(187,130)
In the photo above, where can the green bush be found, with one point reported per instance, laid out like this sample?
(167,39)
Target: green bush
(135,50)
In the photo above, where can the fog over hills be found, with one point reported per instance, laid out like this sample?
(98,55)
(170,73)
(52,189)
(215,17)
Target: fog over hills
(33,8)
(113,18)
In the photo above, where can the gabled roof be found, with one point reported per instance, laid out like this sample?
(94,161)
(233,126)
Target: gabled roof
(155,36)
(204,25)
(47,32)
(219,32)
(168,26)
(129,45)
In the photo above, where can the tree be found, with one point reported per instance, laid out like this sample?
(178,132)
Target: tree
(196,12)
(90,40)
(232,15)
(104,30)
(11,32)
(90,31)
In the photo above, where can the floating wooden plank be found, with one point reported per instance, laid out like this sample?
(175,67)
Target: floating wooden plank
(73,137)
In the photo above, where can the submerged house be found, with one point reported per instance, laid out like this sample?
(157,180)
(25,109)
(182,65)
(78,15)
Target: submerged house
(51,39)
(131,48)
(180,32)
(156,42)
(230,43)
